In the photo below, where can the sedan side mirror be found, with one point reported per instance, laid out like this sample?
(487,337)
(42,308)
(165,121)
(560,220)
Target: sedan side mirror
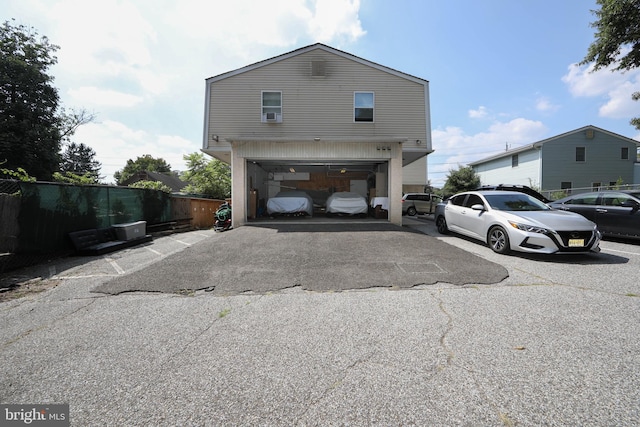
(631,204)
(477,207)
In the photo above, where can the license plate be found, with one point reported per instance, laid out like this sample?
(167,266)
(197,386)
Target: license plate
(576,242)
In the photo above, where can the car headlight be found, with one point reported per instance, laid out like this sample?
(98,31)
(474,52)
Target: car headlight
(529,228)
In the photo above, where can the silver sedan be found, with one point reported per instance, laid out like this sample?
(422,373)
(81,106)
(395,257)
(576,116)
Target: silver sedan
(509,220)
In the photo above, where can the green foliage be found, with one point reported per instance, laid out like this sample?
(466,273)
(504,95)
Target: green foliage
(617,30)
(151,185)
(72,178)
(29,127)
(19,174)
(211,178)
(463,179)
(79,160)
(141,164)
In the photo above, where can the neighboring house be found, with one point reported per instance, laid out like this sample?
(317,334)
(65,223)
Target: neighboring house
(588,157)
(320,120)
(171,181)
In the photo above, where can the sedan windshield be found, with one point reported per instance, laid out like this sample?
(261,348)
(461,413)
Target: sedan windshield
(515,202)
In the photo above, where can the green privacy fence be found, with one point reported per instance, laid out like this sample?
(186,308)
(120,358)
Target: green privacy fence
(37,217)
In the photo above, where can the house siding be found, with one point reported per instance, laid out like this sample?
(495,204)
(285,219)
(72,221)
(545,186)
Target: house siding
(557,161)
(318,106)
(415,173)
(602,163)
(500,171)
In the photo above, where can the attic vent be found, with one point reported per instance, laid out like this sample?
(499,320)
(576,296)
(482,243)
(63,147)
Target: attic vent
(318,69)
(589,133)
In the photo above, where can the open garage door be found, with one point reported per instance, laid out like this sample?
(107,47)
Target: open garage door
(334,188)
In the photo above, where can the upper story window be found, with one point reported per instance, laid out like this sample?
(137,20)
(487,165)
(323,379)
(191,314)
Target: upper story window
(624,153)
(581,154)
(271,106)
(514,161)
(363,105)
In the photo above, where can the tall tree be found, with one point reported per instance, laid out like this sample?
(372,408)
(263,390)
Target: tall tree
(207,177)
(141,164)
(617,39)
(29,131)
(80,159)
(463,179)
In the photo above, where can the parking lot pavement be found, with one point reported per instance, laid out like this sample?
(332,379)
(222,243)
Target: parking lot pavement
(549,345)
(332,256)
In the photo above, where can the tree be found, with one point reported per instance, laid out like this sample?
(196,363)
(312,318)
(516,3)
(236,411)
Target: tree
(79,159)
(464,179)
(210,178)
(141,164)
(29,127)
(151,185)
(617,31)
(73,178)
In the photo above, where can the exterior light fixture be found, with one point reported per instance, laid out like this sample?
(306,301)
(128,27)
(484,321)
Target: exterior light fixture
(292,170)
(343,170)
(316,139)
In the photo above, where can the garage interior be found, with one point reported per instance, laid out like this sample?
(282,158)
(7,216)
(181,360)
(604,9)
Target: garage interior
(319,179)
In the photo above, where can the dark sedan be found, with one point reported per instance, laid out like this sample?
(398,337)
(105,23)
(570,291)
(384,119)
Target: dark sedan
(617,213)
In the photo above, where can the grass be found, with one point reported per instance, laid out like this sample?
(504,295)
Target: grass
(224,312)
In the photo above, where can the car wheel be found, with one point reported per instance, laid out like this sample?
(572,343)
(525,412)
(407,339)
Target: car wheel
(441,223)
(499,240)
(411,211)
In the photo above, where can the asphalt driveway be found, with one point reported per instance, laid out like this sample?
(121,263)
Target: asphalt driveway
(313,256)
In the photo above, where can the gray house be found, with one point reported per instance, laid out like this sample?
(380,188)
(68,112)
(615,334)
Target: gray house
(318,119)
(588,157)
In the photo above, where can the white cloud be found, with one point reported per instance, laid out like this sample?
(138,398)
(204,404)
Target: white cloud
(614,89)
(544,104)
(480,113)
(455,147)
(90,96)
(115,143)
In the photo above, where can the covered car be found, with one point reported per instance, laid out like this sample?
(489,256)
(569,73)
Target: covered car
(289,203)
(345,202)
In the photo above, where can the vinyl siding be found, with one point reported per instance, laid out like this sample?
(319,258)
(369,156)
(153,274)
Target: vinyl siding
(415,173)
(603,162)
(317,106)
(500,171)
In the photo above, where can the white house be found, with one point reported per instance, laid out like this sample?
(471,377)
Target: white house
(588,157)
(318,119)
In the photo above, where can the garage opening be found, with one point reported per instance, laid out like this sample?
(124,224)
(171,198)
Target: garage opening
(283,189)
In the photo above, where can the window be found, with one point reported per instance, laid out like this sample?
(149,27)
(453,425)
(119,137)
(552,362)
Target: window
(581,154)
(363,103)
(473,199)
(595,186)
(616,199)
(514,161)
(583,200)
(271,106)
(624,153)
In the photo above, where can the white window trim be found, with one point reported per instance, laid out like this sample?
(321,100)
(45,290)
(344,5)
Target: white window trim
(263,116)
(353,111)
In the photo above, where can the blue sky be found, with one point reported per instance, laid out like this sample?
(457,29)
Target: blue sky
(501,72)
